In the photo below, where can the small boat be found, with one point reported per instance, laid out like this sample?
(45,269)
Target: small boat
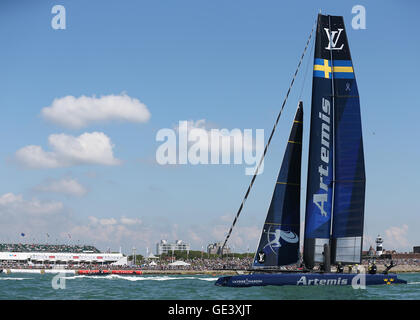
(93,272)
(131,272)
(335,193)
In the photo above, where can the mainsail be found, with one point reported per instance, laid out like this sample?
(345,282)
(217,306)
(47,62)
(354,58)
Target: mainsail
(350,180)
(336,175)
(279,242)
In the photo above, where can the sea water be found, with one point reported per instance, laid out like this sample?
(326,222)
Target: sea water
(180,287)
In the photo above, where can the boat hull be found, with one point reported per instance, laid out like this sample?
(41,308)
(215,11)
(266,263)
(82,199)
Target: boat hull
(307,279)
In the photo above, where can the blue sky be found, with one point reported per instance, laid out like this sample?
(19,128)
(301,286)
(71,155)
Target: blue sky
(227,62)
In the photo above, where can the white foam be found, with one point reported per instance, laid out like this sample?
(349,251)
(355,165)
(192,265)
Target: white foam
(73,277)
(14,278)
(208,279)
(139,278)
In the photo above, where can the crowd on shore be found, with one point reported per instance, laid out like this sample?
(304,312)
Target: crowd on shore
(201,264)
(82,266)
(191,264)
(22,247)
(397,262)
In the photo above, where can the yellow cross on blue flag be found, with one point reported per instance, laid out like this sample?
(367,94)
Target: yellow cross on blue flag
(342,69)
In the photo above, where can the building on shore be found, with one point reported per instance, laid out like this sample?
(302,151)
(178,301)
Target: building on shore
(166,247)
(216,248)
(61,258)
(403,255)
(37,254)
(371,252)
(416,249)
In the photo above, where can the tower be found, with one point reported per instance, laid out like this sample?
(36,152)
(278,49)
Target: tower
(379,248)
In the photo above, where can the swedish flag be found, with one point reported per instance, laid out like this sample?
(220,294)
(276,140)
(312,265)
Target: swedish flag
(322,68)
(343,69)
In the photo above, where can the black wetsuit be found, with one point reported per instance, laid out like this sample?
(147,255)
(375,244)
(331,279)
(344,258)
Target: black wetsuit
(372,269)
(387,268)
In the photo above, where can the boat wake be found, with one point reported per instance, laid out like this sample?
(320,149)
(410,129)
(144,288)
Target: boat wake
(138,278)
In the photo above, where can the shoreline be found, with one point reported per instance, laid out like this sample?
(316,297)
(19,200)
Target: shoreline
(397,269)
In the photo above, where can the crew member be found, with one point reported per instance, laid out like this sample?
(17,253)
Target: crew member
(372,268)
(387,268)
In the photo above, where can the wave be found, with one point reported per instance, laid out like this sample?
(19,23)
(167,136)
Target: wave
(208,279)
(1,278)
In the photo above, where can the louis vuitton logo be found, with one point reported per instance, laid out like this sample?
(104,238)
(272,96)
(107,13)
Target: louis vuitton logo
(332,45)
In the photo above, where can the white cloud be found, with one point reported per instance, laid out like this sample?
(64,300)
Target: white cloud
(396,238)
(129,232)
(102,222)
(36,218)
(66,186)
(107,222)
(67,150)
(242,236)
(130,221)
(114,232)
(79,112)
(11,204)
(368,241)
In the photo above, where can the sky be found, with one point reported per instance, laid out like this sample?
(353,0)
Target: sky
(82,107)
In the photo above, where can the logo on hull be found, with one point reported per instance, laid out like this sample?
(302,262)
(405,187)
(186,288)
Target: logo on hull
(303,281)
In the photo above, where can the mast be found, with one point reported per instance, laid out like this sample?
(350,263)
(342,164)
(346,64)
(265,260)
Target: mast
(279,241)
(327,248)
(320,165)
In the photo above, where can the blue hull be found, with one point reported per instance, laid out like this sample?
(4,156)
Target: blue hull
(307,279)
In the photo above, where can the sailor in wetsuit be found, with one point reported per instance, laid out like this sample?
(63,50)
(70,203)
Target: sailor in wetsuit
(340,268)
(372,268)
(388,267)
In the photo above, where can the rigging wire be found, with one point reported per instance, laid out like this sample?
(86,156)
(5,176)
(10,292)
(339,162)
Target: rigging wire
(308,64)
(269,141)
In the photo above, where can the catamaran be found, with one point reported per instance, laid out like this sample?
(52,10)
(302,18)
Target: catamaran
(335,197)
